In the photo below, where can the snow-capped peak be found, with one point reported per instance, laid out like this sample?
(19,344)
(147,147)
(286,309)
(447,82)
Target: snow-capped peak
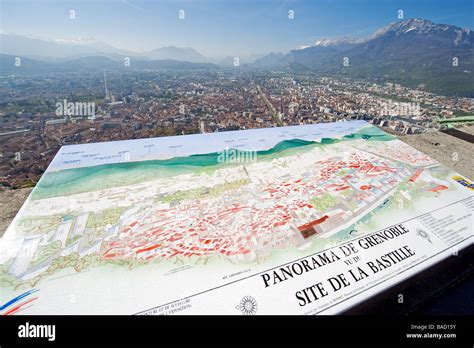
(339,41)
(426,28)
(77,41)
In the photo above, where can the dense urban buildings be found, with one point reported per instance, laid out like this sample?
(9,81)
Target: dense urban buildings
(36,119)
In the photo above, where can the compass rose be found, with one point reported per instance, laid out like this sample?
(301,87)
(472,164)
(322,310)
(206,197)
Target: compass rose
(248,305)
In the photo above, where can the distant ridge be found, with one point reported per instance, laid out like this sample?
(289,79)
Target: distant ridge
(57,50)
(88,64)
(186,54)
(411,52)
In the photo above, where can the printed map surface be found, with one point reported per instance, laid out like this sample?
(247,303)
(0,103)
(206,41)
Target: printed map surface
(122,227)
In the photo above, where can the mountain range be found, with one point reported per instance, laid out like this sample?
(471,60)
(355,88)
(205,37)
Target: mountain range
(412,52)
(186,54)
(91,63)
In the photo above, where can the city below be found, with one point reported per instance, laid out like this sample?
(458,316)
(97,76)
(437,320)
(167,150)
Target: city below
(40,114)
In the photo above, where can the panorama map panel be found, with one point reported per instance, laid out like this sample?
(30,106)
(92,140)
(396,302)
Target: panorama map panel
(288,220)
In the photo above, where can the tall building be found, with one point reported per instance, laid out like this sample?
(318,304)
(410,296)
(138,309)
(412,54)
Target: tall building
(108,96)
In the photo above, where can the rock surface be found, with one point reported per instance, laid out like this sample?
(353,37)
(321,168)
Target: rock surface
(10,202)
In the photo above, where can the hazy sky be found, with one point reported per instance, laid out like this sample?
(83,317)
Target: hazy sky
(218,28)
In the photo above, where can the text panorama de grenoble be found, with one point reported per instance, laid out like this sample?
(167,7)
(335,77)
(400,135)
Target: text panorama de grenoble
(342,280)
